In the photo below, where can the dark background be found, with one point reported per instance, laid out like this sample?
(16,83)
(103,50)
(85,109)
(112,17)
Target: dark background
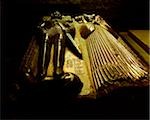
(19,18)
